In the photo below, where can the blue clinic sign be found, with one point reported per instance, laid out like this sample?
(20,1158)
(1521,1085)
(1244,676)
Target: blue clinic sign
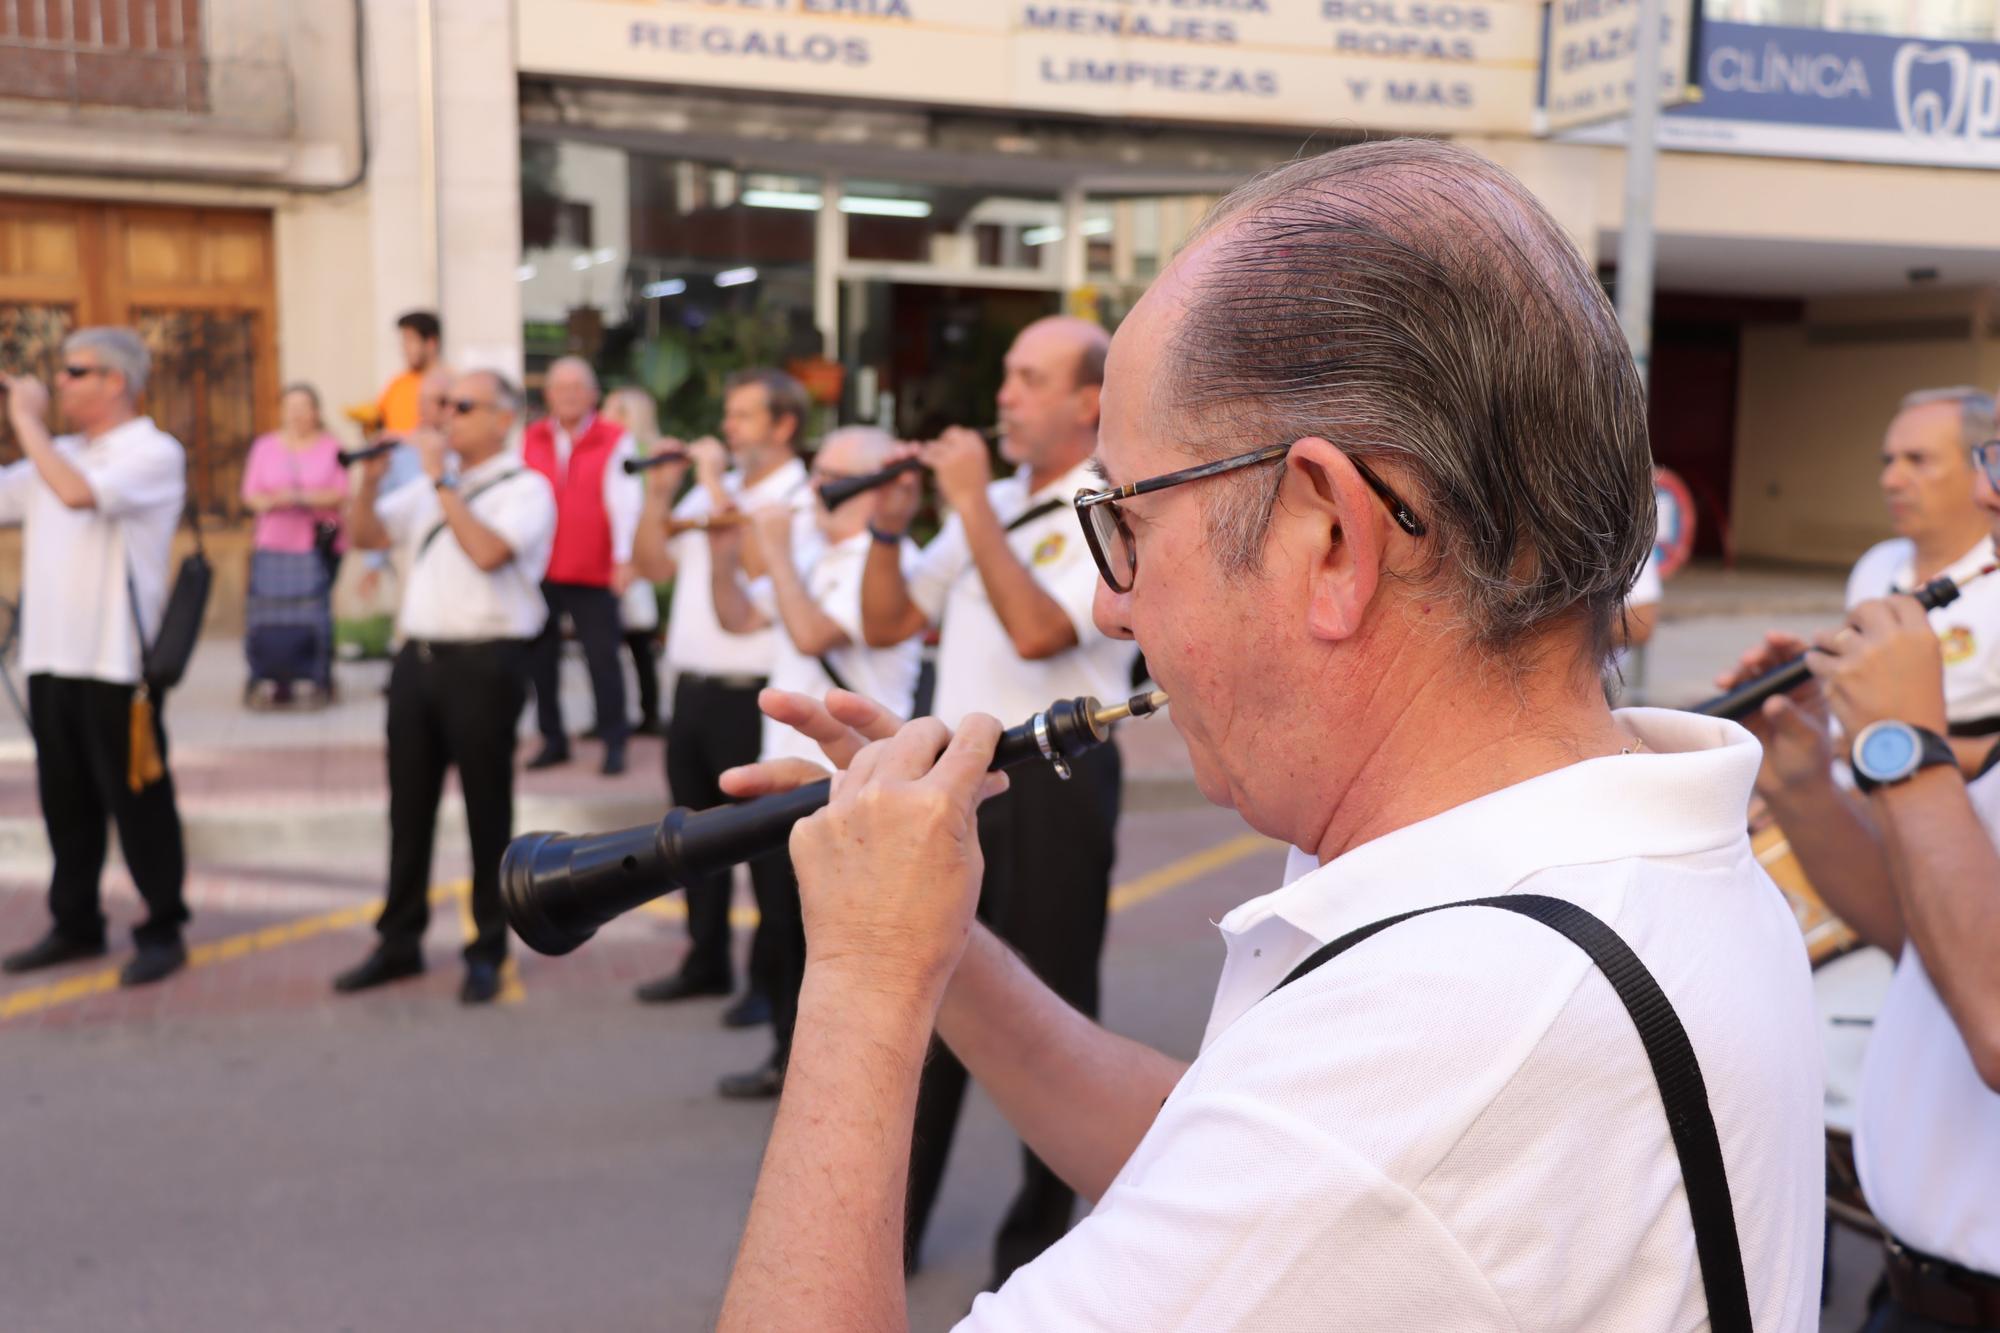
(1806,92)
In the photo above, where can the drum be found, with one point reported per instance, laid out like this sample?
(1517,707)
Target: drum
(1827,936)
(1848,990)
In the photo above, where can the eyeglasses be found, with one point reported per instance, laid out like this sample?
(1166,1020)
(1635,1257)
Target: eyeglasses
(78,372)
(1110,538)
(1987,457)
(441,400)
(465,407)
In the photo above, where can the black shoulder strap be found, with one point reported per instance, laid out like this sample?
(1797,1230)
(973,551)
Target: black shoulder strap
(826,665)
(1034,512)
(1682,1091)
(470,496)
(1991,762)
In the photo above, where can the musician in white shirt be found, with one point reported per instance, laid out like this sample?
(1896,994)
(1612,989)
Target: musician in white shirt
(99,507)
(1377,654)
(811,594)
(1913,864)
(476,542)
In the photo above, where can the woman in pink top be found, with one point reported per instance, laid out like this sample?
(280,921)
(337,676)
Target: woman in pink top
(294,484)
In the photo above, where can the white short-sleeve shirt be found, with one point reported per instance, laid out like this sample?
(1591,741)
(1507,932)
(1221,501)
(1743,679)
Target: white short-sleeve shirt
(446,597)
(1927,1140)
(1968,630)
(1454,1125)
(76,605)
(696,641)
(886,675)
(978,670)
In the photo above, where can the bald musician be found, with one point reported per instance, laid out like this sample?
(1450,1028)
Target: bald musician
(1911,860)
(1008,584)
(1380,484)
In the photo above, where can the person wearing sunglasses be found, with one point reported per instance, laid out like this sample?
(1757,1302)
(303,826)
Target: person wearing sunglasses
(1526,1040)
(99,507)
(1927,485)
(1909,857)
(475,543)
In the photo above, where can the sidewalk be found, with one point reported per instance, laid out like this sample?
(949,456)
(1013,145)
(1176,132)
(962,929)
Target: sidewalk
(293,788)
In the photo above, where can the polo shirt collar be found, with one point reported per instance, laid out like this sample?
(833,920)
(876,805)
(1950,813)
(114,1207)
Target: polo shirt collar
(492,467)
(140,425)
(1078,478)
(778,483)
(1685,793)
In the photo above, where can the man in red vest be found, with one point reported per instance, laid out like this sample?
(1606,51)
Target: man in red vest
(597,511)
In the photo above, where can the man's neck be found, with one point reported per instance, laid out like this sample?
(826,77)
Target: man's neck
(761,463)
(1060,463)
(109,424)
(1940,550)
(573,426)
(467,462)
(1455,732)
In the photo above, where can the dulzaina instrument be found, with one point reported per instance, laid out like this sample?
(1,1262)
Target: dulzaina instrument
(837,493)
(349,457)
(1738,703)
(558,888)
(634,466)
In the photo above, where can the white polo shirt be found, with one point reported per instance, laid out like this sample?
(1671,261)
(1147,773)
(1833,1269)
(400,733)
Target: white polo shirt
(447,598)
(696,641)
(1927,1140)
(1454,1125)
(1968,630)
(978,670)
(886,675)
(76,606)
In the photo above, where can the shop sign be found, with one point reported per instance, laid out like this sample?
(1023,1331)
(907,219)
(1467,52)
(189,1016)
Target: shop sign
(1427,65)
(1589,63)
(1806,92)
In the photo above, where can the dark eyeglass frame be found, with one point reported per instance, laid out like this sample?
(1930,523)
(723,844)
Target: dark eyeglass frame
(1088,502)
(78,372)
(465,407)
(1986,457)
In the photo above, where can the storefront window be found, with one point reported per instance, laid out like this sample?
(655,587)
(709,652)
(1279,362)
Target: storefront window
(1939,20)
(961,228)
(662,271)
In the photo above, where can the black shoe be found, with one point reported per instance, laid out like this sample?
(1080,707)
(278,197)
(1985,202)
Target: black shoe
(614,759)
(550,756)
(651,726)
(153,962)
(379,969)
(679,987)
(753,1010)
(51,950)
(766,1080)
(482,984)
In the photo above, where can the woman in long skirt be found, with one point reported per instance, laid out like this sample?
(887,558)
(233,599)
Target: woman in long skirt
(294,484)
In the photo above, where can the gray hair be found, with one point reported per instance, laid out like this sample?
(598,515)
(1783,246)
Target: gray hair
(120,349)
(1975,409)
(875,443)
(506,394)
(578,363)
(1413,303)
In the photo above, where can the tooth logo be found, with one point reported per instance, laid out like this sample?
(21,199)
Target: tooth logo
(1932,88)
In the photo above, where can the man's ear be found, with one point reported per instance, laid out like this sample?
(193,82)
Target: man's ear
(1092,402)
(1328,515)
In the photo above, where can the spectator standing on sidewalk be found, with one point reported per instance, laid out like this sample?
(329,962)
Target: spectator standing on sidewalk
(597,510)
(294,484)
(399,410)
(99,507)
(475,542)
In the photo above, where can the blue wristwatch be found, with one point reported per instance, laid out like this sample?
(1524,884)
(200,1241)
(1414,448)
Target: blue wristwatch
(1889,752)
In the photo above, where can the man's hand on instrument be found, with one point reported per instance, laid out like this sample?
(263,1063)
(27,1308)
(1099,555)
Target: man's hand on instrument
(663,482)
(773,526)
(1792,727)
(959,461)
(710,457)
(1884,663)
(841,724)
(896,503)
(27,401)
(432,452)
(889,870)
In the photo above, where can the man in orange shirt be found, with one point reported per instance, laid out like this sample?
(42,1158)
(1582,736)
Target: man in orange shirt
(397,408)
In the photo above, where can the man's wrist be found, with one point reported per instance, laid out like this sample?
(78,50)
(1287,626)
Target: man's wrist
(1920,787)
(890,996)
(885,536)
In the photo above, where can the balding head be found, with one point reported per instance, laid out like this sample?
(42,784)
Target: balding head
(1413,304)
(851,451)
(1049,397)
(570,388)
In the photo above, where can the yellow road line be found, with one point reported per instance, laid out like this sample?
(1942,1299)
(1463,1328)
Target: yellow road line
(511,990)
(34,999)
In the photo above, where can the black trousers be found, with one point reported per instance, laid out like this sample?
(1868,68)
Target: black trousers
(83,738)
(639,643)
(594,613)
(779,967)
(451,706)
(715,726)
(1889,1317)
(1049,846)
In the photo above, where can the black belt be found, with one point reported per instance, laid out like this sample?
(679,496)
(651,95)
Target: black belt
(740,681)
(426,649)
(1940,1290)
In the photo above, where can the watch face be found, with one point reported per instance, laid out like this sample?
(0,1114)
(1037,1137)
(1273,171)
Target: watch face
(1887,752)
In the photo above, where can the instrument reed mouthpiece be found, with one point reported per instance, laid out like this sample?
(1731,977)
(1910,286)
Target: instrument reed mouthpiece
(1139,705)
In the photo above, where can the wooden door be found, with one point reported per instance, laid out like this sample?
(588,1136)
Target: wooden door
(199,286)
